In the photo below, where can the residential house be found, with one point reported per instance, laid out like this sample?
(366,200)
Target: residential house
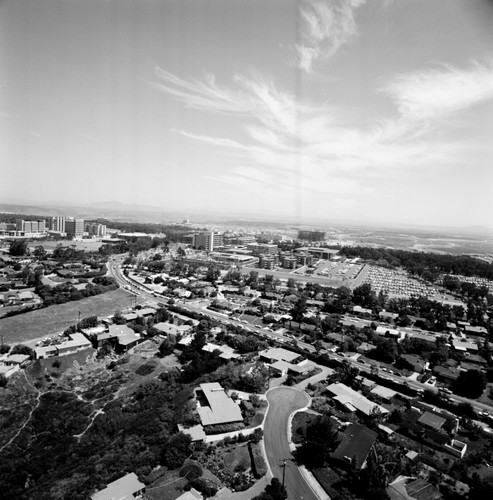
(353,401)
(355,446)
(362,311)
(225,351)
(127,487)
(215,406)
(279,354)
(416,363)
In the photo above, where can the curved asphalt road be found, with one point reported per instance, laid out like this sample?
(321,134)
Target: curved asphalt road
(282,402)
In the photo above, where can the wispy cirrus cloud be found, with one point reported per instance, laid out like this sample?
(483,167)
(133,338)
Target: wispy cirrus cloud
(440,91)
(282,141)
(325,27)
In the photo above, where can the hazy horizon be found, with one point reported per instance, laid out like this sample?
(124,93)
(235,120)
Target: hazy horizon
(156,215)
(369,112)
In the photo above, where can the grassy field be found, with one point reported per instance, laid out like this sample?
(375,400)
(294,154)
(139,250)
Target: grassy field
(54,319)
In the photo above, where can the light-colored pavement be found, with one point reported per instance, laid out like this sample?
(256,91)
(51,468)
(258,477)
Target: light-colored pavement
(283,401)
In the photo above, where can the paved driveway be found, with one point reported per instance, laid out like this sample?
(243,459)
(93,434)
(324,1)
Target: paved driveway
(282,402)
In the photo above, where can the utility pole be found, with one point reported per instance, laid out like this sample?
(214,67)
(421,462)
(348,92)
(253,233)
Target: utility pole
(283,471)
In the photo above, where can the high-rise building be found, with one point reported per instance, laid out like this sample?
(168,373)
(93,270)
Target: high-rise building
(208,241)
(57,224)
(95,229)
(30,226)
(74,227)
(311,235)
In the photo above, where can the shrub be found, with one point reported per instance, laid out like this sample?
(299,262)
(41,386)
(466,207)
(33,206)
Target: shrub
(259,467)
(256,435)
(204,488)
(191,471)
(221,428)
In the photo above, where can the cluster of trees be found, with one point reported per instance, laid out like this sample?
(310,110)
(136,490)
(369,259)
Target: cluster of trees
(425,265)
(242,343)
(67,292)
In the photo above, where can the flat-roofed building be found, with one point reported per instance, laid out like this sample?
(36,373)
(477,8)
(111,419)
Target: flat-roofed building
(30,226)
(57,224)
(45,351)
(126,488)
(225,351)
(216,407)
(95,229)
(262,248)
(74,228)
(279,354)
(208,241)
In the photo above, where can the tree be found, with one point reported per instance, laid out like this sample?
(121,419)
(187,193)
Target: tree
(213,273)
(253,278)
(176,450)
(364,296)
(299,309)
(470,384)
(18,248)
(22,349)
(40,252)
(319,442)
(118,318)
(273,491)
(166,348)
(4,348)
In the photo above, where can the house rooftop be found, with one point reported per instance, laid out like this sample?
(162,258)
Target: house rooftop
(347,396)
(280,354)
(121,489)
(432,420)
(356,442)
(221,410)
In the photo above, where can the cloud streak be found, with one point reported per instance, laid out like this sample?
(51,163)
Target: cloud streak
(284,142)
(325,27)
(439,92)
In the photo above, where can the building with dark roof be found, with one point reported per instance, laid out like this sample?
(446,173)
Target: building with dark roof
(355,446)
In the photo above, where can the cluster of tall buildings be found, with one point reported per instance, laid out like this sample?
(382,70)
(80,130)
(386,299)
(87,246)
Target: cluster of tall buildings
(30,226)
(69,226)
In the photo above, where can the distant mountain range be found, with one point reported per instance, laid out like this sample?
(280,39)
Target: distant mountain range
(118,211)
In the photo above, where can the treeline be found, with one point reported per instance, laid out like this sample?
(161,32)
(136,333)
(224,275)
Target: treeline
(173,232)
(426,265)
(11,218)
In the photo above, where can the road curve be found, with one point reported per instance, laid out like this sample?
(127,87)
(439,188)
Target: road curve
(282,402)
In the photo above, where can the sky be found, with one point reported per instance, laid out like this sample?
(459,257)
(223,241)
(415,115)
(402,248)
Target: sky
(356,110)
